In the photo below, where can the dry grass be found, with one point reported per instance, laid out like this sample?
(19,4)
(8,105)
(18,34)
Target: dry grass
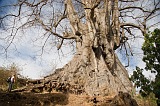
(146,101)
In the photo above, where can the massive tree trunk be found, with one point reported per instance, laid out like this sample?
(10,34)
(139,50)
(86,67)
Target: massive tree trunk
(95,66)
(98,29)
(94,78)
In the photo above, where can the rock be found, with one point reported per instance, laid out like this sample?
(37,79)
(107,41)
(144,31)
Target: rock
(123,99)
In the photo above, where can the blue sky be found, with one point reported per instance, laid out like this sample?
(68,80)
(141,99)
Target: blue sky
(25,54)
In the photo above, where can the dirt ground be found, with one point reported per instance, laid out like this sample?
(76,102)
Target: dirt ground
(33,99)
(45,99)
(55,99)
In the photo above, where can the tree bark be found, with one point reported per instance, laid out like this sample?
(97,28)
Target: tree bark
(95,67)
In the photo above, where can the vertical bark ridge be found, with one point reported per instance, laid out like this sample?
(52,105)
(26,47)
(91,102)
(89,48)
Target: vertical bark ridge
(96,68)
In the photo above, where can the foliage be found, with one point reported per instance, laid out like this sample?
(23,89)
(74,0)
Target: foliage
(141,81)
(151,48)
(5,72)
(3,76)
(150,100)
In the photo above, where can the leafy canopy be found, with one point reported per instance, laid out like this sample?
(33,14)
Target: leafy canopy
(141,81)
(151,50)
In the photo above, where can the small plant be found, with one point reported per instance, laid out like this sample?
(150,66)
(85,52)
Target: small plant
(5,72)
(150,100)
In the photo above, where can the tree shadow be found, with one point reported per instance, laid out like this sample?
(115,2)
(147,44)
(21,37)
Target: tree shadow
(33,99)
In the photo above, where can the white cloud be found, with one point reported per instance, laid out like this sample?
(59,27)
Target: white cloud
(36,67)
(26,50)
(26,47)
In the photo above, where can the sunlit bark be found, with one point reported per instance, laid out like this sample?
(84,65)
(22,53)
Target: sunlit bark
(98,27)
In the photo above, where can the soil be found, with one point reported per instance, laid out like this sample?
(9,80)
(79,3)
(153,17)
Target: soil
(32,99)
(48,99)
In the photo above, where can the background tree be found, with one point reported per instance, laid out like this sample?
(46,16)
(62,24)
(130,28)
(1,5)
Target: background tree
(96,27)
(151,48)
(141,82)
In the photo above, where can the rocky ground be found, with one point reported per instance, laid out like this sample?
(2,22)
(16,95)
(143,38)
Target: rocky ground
(45,99)
(37,93)
(60,99)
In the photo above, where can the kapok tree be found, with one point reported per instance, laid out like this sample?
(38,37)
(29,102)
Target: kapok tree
(97,28)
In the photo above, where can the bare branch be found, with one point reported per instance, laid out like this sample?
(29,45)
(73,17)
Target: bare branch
(42,50)
(80,2)
(152,12)
(60,45)
(95,23)
(131,7)
(13,15)
(158,23)
(132,25)
(59,20)
(47,28)
(129,31)
(127,0)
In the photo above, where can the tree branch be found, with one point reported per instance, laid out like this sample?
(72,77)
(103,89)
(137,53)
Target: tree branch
(59,20)
(60,45)
(45,27)
(132,25)
(153,11)
(127,0)
(13,15)
(126,8)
